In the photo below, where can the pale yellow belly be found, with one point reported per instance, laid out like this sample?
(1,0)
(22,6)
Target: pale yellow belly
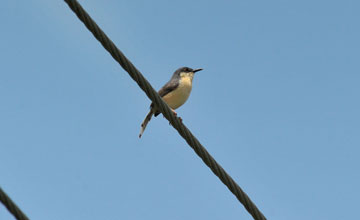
(178,97)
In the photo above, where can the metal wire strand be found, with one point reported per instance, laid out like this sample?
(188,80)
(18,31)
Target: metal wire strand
(165,110)
(11,206)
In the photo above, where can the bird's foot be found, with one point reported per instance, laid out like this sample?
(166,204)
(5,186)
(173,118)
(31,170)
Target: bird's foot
(175,114)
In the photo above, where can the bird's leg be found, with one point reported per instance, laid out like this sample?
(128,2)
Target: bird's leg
(176,115)
(173,111)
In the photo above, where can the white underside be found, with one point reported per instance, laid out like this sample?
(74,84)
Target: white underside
(178,97)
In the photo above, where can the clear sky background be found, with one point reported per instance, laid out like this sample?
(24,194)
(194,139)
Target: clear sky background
(277,105)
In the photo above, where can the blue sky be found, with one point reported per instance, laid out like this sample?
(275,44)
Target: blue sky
(277,105)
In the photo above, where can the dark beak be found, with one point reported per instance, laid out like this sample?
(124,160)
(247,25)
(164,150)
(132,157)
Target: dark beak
(197,70)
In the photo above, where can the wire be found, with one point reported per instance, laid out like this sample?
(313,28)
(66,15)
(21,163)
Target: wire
(11,206)
(165,110)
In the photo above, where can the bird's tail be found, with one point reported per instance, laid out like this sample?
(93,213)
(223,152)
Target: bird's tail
(145,122)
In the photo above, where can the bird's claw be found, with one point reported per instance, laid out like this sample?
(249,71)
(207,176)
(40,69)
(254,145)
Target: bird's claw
(174,112)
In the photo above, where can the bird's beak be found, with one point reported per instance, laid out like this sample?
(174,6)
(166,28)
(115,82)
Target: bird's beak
(197,70)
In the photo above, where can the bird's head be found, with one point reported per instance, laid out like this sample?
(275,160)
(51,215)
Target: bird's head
(185,72)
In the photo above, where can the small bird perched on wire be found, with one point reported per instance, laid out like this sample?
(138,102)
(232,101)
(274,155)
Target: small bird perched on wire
(174,93)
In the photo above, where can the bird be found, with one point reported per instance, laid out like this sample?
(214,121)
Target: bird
(175,93)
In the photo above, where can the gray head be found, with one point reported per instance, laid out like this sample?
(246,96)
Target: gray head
(186,70)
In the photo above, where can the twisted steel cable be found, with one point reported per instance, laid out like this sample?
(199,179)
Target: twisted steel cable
(11,206)
(165,110)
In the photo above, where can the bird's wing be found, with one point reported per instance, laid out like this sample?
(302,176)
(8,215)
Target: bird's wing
(168,87)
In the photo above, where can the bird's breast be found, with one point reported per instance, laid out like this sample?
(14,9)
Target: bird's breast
(178,97)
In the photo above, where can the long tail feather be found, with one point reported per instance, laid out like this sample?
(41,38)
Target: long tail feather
(145,122)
